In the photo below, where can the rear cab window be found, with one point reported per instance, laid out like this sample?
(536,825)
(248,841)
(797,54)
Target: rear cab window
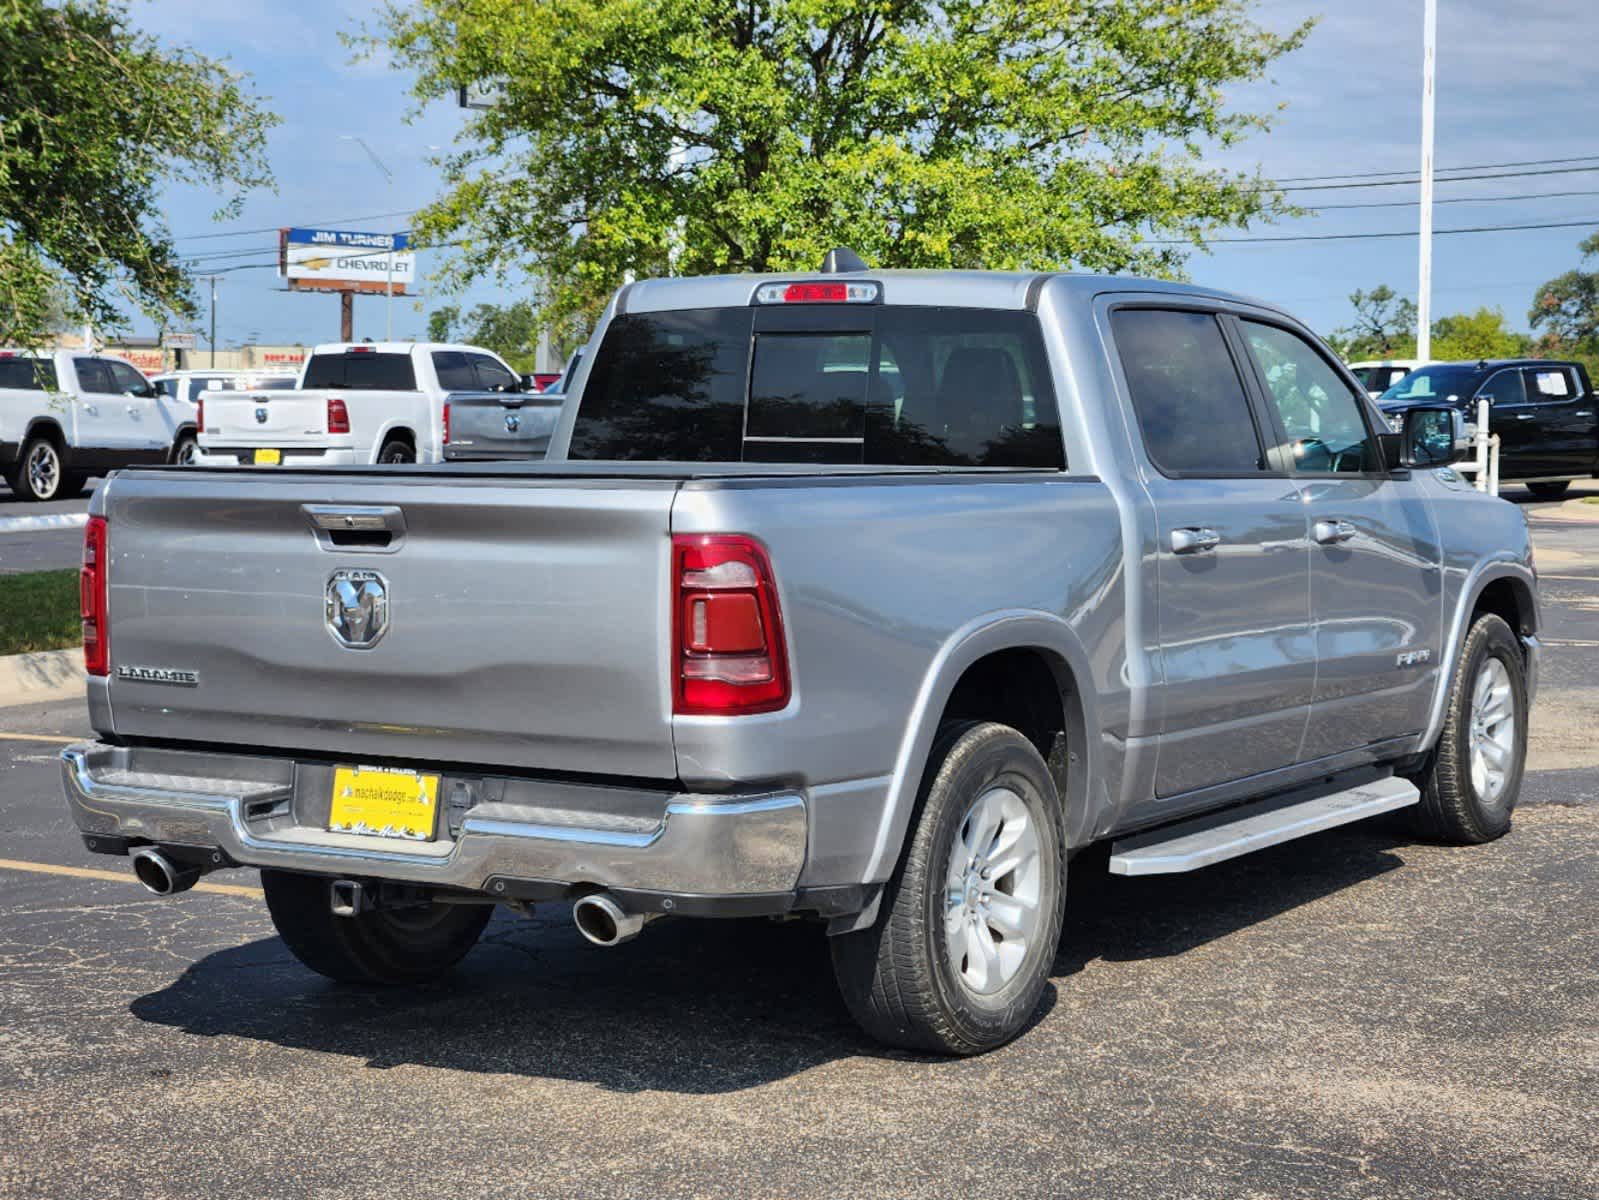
(871,385)
(22,372)
(361,371)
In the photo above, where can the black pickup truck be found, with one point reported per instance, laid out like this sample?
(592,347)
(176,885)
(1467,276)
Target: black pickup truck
(1544,411)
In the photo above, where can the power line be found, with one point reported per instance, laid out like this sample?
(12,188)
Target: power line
(198,237)
(1530,162)
(1456,200)
(1402,233)
(1328,187)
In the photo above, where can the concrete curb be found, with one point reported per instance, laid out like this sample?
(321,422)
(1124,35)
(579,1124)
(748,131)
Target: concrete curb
(46,521)
(41,677)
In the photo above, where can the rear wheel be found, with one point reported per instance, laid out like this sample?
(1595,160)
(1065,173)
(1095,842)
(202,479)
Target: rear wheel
(39,471)
(1549,491)
(960,954)
(184,450)
(396,451)
(385,945)
(1473,778)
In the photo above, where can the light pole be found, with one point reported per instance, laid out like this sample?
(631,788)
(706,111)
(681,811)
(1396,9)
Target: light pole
(212,280)
(1429,39)
(388,178)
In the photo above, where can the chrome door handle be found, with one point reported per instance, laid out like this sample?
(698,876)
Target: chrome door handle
(1583,412)
(1330,533)
(1524,416)
(1194,541)
(92,409)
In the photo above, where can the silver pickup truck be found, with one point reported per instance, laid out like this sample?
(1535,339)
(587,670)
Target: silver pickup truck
(870,598)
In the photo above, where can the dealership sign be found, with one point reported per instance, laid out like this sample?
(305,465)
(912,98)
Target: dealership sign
(339,260)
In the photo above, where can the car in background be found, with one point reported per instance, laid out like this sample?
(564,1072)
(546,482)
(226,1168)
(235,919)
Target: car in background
(68,414)
(355,402)
(179,394)
(1544,411)
(1378,375)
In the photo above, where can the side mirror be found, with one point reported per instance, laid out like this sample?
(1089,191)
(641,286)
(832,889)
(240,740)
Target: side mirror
(1434,437)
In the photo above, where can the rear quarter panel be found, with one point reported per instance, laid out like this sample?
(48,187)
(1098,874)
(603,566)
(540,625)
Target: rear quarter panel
(888,589)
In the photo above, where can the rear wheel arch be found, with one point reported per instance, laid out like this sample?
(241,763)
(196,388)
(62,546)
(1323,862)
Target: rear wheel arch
(51,428)
(1026,670)
(396,433)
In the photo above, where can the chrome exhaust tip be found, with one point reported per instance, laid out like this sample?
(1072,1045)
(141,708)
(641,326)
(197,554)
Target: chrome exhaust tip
(160,875)
(605,922)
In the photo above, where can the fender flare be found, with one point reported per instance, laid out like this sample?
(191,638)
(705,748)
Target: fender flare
(397,425)
(1012,629)
(50,424)
(1485,572)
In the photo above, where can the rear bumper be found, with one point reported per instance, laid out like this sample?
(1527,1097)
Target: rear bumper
(514,838)
(236,456)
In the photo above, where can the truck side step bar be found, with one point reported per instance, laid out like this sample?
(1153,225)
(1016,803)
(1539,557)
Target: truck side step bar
(1216,837)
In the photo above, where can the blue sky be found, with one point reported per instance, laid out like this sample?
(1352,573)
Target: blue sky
(1515,83)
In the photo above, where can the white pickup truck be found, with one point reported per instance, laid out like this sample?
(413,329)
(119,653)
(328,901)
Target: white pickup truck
(69,414)
(357,402)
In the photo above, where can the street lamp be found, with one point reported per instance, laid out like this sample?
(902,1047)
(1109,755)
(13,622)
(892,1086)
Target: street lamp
(388,178)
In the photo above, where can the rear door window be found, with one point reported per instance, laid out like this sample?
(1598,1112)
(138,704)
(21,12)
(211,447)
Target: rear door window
(1186,391)
(93,376)
(1551,385)
(361,371)
(881,386)
(454,372)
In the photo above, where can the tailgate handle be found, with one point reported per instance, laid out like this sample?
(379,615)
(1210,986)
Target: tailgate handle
(373,529)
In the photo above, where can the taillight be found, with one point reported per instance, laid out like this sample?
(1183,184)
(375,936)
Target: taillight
(92,599)
(199,414)
(446,424)
(338,416)
(728,653)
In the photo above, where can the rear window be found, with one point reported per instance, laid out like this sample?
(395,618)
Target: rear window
(361,372)
(883,386)
(28,374)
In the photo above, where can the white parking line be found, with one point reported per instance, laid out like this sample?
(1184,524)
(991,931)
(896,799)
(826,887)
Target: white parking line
(46,521)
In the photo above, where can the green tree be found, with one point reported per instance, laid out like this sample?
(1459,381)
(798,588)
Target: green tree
(1384,326)
(95,117)
(511,331)
(1566,309)
(442,323)
(1480,334)
(696,136)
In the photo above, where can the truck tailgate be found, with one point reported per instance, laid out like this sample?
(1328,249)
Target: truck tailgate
(527,625)
(266,418)
(501,425)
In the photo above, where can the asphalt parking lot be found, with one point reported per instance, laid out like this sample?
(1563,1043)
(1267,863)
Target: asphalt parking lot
(47,549)
(1356,1014)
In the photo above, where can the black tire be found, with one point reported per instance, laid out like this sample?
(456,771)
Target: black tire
(397,451)
(897,977)
(184,449)
(1549,491)
(40,471)
(385,946)
(1451,808)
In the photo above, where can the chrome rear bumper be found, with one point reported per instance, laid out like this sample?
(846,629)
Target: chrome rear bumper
(263,812)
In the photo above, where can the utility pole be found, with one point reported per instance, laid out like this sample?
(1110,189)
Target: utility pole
(212,280)
(1429,40)
(388,178)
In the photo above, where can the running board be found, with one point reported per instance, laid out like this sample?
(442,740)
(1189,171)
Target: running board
(1216,837)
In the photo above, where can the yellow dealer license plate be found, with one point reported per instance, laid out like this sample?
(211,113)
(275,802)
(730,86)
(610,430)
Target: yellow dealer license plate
(268,458)
(384,803)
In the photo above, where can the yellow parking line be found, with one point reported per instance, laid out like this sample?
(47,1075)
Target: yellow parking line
(39,737)
(222,889)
